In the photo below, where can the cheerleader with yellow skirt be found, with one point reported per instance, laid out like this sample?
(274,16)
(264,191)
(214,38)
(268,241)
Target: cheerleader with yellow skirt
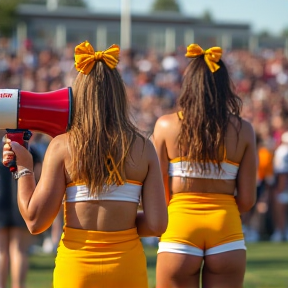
(208,159)
(99,170)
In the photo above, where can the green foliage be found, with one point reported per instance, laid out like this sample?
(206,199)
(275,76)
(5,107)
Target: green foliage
(264,34)
(40,2)
(8,12)
(207,16)
(285,32)
(166,5)
(8,16)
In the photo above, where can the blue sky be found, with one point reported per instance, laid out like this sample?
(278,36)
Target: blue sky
(262,15)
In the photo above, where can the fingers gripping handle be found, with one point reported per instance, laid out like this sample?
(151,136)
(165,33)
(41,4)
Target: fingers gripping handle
(20,136)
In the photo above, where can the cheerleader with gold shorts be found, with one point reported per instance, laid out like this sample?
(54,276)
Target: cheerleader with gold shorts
(99,170)
(208,159)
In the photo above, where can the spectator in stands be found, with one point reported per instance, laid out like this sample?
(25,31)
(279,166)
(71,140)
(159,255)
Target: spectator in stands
(280,191)
(15,238)
(254,220)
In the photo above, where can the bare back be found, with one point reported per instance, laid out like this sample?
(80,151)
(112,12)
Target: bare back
(103,215)
(107,215)
(240,149)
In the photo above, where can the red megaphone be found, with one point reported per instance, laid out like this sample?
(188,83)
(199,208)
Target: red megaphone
(21,111)
(49,112)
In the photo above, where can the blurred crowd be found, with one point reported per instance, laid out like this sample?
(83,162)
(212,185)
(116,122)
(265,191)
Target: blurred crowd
(153,82)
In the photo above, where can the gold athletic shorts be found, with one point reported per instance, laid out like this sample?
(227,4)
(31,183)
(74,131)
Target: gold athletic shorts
(97,259)
(202,224)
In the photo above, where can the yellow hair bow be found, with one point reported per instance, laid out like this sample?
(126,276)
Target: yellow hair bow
(85,57)
(211,56)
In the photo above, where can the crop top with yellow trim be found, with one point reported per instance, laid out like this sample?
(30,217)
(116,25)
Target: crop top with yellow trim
(130,191)
(179,167)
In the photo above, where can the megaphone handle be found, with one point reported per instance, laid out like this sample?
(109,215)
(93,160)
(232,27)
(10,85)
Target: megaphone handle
(20,136)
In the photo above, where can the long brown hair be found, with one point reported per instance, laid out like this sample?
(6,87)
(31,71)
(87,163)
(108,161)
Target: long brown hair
(101,132)
(207,101)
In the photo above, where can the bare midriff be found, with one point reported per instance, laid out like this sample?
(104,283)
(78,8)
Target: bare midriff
(185,184)
(101,215)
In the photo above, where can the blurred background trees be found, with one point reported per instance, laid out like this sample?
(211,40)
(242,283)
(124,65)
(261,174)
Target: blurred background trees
(166,5)
(8,16)
(8,11)
(78,3)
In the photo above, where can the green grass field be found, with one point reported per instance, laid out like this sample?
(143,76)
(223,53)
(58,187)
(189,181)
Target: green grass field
(267,267)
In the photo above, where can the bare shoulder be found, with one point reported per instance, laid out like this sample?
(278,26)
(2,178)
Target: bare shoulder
(141,155)
(144,146)
(165,121)
(166,126)
(247,130)
(166,117)
(58,145)
(246,124)
(244,127)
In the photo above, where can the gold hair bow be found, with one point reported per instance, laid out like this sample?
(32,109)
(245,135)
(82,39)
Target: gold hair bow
(211,56)
(85,57)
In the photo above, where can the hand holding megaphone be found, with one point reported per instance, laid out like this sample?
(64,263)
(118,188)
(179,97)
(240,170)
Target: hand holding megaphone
(16,155)
(20,136)
(9,159)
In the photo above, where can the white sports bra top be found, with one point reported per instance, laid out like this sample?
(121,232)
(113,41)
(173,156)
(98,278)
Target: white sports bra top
(179,167)
(130,191)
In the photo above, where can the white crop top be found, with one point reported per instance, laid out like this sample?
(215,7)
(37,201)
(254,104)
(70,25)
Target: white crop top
(180,168)
(130,191)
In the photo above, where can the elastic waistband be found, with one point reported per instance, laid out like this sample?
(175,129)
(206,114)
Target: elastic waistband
(197,197)
(100,236)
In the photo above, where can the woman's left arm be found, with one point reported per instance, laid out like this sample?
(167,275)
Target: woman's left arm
(39,205)
(246,178)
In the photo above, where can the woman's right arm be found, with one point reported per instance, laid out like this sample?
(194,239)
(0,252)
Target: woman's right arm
(154,218)
(247,174)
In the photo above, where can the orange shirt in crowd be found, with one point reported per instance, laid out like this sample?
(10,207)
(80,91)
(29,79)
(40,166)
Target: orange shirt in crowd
(265,167)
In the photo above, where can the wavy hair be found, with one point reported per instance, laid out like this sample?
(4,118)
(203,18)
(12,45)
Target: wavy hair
(207,101)
(101,133)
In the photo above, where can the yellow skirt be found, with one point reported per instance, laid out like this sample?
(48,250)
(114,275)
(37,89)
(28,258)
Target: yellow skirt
(97,259)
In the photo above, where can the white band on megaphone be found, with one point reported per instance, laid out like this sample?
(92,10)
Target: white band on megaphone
(9,108)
